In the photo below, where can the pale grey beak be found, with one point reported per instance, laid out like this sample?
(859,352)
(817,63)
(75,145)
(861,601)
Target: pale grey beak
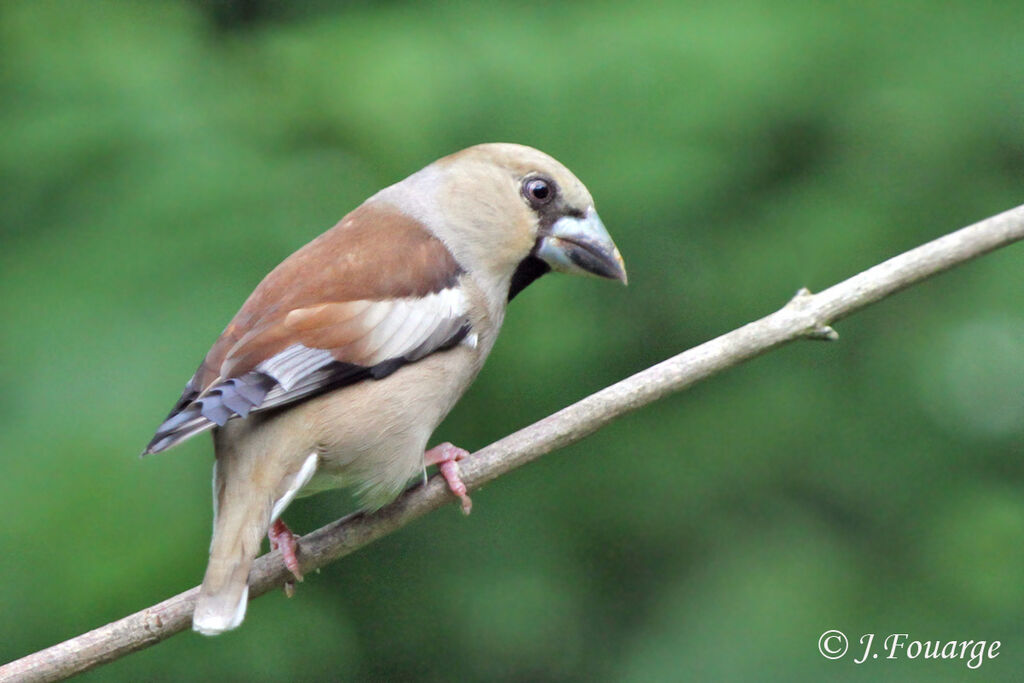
(582,246)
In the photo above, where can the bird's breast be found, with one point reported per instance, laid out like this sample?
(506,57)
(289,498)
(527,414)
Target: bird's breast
(372,435)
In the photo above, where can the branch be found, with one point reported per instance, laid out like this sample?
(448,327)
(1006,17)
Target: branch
(805,316)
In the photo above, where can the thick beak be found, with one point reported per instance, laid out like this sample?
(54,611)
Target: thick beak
(582,245)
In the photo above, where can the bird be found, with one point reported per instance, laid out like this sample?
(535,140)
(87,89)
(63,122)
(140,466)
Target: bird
(346,357)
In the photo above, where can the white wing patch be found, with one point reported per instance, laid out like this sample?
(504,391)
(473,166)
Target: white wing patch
(400,328)
(294,363)
(407,323)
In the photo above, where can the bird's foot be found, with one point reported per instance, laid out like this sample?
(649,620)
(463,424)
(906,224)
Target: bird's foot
(282,537)
(446,457)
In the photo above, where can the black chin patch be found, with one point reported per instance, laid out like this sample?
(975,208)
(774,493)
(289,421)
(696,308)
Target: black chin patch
(529,269)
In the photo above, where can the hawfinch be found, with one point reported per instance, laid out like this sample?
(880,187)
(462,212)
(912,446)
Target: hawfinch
(348,355)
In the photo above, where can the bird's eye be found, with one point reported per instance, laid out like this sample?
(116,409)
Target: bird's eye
(538,191)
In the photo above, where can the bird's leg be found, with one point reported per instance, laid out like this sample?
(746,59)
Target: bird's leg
(446,457)
(282,537)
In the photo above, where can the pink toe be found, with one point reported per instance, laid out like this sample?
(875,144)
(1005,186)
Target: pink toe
(445,456)
(281,537)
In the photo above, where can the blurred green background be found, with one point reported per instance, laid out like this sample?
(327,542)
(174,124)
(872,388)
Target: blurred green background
(158,158)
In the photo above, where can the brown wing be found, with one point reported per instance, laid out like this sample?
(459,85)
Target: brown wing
(371,294)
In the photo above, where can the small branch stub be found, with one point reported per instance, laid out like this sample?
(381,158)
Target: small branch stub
(823,333)
(803,301)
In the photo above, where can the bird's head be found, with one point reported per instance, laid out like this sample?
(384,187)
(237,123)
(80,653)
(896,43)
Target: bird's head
(513,212)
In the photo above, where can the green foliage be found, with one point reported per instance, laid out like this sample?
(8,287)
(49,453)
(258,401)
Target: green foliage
(158,158)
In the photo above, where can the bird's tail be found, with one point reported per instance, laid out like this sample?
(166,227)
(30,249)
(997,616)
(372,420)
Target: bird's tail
(239,525)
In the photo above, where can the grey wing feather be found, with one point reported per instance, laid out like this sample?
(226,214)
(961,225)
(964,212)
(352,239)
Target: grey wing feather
(293,375)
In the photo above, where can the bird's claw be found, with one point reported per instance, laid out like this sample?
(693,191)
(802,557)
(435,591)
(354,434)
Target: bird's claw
(281,537)
(446,457)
